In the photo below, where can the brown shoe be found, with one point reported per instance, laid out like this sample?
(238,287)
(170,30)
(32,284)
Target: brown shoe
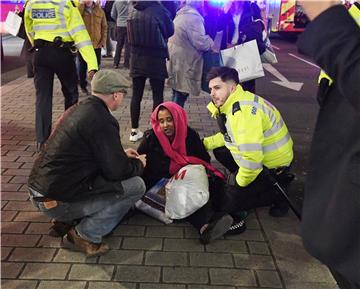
(73,241)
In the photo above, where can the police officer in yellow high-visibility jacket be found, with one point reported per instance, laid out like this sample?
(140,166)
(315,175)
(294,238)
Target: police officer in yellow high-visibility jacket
(252,136)
(56,29)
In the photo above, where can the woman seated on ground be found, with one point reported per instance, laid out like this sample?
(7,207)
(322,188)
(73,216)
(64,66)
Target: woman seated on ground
(171,145)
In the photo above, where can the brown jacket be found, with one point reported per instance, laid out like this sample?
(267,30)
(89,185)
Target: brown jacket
(96,24)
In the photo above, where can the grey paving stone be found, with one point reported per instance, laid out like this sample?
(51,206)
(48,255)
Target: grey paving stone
(32,254)
(10,270)
(166,258)
(10,187)
(16,240)
(165,232)
(307,285)
(162,286)
(91,272)
(113,242)
(252,222)
(13,227)
(111,285)
(142,243)
(209,287)
(211,260)
(227,246)
(62,285)
(245,261)
(67,256)
(5,252)
(129,230)
(185,275)
(32,217)
(3,204)
(191,233)
(18,284)
(9,165)
(122,257)
(137,273)
(7,215)
(4,180)
(18,172)
(141,219)
(45,271)
(38,228)
(20,180)
(14,196)
(49,242)
(20,206)
(259,248)
(185,245)
(233,277)
(248,235)
(269,279)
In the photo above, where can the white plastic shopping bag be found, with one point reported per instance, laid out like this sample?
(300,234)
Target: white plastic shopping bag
(12,23)
(186,192)
(245,58)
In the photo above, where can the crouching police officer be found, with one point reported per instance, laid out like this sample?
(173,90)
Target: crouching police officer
(56,30)
(253,143)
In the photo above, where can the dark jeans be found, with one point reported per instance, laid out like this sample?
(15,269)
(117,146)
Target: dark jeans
(47,62)
(179,97)
(109,46)
(157,87)
(121,39)
(99,213)
(259,193)
(83,67)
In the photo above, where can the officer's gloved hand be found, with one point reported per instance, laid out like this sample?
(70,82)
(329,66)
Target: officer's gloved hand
(91,74)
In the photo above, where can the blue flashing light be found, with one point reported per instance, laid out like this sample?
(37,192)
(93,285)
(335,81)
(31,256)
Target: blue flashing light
(218,3)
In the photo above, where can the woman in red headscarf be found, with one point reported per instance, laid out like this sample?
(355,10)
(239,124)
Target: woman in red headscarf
(171,145)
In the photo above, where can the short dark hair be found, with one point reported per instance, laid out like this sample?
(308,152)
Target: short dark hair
(224,72)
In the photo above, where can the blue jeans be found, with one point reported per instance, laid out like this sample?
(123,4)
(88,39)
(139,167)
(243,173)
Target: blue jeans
(179,97)
(99,214)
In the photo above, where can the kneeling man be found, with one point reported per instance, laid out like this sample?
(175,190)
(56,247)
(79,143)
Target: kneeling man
(253,141)
(83,178)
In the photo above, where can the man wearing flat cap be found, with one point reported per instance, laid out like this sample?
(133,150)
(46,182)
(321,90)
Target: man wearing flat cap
(83,178)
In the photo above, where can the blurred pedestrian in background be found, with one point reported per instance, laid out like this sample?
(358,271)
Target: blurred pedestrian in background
(95,23)
(120,13)
(186,48)
(111,33)
(149,27)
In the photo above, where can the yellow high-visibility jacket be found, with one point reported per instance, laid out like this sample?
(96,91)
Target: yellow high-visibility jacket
(355,13)
(47,19)
(256,135)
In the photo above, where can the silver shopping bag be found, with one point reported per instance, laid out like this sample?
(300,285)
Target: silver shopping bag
(245,58)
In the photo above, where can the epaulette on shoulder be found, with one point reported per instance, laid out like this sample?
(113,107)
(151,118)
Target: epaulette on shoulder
(73,3)
(235,107)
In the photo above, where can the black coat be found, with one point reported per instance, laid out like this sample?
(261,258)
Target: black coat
(157,163)
(331,211)
(83,155)
(149,27)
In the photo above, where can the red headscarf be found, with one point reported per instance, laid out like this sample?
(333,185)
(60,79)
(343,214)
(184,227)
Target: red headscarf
(176,150)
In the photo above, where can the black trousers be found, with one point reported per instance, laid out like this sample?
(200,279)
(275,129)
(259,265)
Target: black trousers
(259,193)
(47,62)
(157,87)
(83,67)
(121,41)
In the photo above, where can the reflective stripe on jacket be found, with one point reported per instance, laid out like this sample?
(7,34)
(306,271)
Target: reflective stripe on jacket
(256,135)
(355,13)
(48,19)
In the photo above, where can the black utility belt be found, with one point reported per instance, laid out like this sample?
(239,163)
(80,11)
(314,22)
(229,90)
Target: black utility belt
(39,43)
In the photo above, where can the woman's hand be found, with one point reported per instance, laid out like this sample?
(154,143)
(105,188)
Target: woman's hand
(131,153)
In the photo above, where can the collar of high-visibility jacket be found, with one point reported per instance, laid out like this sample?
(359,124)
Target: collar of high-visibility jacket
(227,106)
